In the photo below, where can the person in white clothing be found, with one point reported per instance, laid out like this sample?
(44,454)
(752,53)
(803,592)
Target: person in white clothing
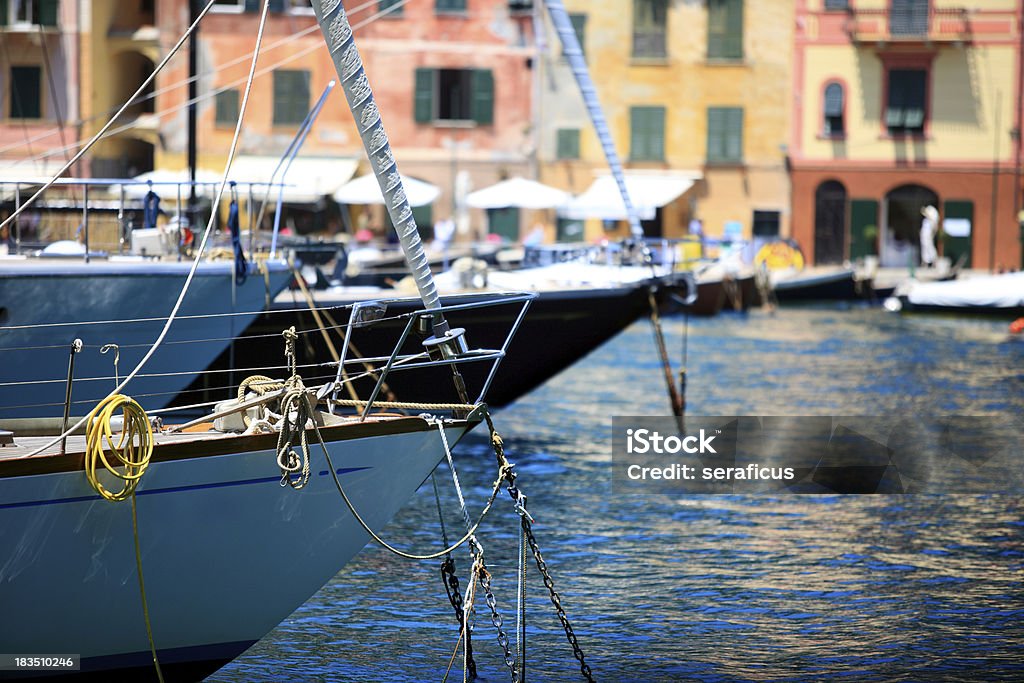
(929,225)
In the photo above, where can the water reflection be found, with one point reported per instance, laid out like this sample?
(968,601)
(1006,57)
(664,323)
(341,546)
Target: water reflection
(723,588)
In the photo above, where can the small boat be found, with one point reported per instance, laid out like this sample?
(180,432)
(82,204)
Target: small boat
(1001,294)
(818,284)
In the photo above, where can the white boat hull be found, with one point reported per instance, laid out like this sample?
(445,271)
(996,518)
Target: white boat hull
(33,293)
(227,552)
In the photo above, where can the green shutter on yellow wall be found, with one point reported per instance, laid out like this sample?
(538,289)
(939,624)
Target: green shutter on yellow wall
(647,133)
(48,12)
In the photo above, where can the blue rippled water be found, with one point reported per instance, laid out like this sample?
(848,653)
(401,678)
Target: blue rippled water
(710,588)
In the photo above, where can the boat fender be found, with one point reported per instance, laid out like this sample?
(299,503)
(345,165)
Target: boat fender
(1017,326)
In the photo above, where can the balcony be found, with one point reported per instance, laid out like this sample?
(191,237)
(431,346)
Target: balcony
(931,26)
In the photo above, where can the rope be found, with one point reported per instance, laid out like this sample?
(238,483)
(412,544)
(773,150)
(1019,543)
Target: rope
(402,405)
(135,458)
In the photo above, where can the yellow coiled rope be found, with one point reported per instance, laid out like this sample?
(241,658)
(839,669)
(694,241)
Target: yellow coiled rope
(133,450)
(133,457)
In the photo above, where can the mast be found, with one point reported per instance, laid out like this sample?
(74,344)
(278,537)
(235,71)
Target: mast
(338,34)
(560,18)
(193,92)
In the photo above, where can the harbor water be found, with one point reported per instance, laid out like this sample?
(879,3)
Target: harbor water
(709,588)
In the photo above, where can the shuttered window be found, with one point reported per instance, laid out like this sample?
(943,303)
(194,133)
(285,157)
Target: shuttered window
(579,25)
(908,18)
(442,6)
(392,7)
(647,133)
(833,123)
(725,29)
(26,92)
(725,135)
(291,96)
(35,12)
(226,108)
(568,146)
(454,95)
(836,4)
(906,104)
(650,29)
(257,5)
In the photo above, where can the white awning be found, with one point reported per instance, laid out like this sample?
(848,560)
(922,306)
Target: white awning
(366,190)
(28,171)
(166,183)
(520,192)
(647,192)
(307,180)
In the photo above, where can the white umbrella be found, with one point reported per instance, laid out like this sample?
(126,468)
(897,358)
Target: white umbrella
(520,192)
(366,190)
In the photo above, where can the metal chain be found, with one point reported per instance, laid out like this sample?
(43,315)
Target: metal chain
(497,621)
(519,500)
(451,586)
(577,651)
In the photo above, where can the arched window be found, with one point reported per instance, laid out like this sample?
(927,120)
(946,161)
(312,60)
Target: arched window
(834,105)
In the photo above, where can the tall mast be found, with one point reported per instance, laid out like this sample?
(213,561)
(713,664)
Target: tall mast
(560,18)
(193,92)
(338,34)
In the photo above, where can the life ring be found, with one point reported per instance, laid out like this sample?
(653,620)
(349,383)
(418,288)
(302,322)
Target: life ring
(780,255)
(1017,326)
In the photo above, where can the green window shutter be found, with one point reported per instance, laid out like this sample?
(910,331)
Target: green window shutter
(725,29)
(424,104)
(48,12)
(277,5)
(3,12)
(958,249)
(483,96)
(579,25)
(647,133)
(568,143)
(227,108)
(291,96)
(392,7)
(450,6)
(725,134)
(26,92)
(906,103)
(253,5)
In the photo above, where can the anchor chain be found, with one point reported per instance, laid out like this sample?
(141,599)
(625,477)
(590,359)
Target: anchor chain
(517,497)
(451,586)
(497,621)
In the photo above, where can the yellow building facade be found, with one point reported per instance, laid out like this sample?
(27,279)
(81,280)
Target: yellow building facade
(697,91)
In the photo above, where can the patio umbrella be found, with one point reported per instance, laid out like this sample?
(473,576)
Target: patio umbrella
(365,190)
(518,192)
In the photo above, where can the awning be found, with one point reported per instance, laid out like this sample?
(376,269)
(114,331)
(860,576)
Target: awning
(307,180)
(166,183)
(366,190)
(647,192)
(520,192)
(27,171)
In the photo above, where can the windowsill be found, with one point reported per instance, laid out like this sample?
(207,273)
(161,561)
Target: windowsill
(726,61)
(565,159)
(633,160)
(917,137)
(301,11)
(227,9)
(454,123)
(649,61)
(22,27)
(737,163)
(452,13)
(833,137)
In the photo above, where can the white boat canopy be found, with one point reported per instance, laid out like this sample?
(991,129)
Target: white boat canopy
(648,192)
(990,291)
(366,190)
(519,192)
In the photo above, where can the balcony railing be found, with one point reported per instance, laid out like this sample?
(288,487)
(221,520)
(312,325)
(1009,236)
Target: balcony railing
(934,25)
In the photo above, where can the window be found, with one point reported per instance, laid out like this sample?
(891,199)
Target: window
(831,5)
(725,135)
(647,133)
(226,108)
(650,29)
(230,6)
(291,96)
(454,95)
(519,6)
(905,110)
(725,29)
(450,6)
(579,25)
(299,6)
(833,124)
(26,95)
(35,12)
(909,18)
(766,223)
(568,146)
(392,7)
